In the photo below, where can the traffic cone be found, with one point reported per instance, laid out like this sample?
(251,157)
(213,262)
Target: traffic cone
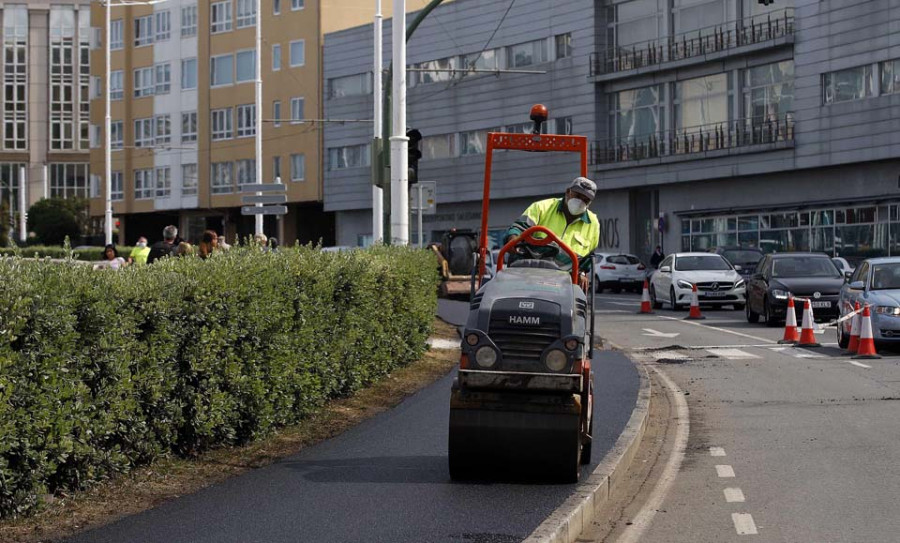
(790,324)
(807,336)
(853,346)
(695,305)
(645,299)
(866,340)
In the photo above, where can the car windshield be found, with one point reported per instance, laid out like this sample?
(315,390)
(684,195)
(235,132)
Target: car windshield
(625,260)
(742,257)
(886,276)
(695,263)
(804,266)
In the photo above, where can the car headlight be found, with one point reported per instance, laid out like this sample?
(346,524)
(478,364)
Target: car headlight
(556,360)
(887,310)
(740,284)
(780,294)
(684,284)
(486,357)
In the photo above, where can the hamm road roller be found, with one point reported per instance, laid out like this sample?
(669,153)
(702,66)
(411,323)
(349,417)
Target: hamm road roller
(523,399)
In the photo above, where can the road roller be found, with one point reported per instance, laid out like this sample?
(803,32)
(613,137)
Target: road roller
(522,402)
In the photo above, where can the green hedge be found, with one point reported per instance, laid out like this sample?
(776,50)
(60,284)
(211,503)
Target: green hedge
(41,251)
(101,371)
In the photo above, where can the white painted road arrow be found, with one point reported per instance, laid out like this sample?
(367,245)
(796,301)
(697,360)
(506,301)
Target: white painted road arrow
(656,333)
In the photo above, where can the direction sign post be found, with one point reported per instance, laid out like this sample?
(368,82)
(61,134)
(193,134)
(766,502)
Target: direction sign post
(423,201)
(263,210)
(253,204)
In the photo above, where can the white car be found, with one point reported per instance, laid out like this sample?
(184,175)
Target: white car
(718,283)
(619,271)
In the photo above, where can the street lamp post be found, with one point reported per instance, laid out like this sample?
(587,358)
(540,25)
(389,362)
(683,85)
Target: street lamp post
(259,167)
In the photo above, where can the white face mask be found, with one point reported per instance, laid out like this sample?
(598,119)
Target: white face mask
(142,244)
(576,206)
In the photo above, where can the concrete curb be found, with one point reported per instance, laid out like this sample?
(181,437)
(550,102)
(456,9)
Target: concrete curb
(577,513)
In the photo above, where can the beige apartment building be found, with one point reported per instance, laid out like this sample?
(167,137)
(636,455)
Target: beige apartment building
(44,102)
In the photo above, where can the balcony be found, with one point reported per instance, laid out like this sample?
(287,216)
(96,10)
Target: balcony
(699,45)
(733,137)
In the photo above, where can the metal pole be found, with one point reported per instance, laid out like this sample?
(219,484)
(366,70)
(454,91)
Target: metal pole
(46,181)
(23,235)
(421,209)
(259,158)
(107,219)
(399,141)
(377,193)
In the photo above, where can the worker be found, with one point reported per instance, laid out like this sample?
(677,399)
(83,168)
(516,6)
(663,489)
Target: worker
(569,218)
(140,252)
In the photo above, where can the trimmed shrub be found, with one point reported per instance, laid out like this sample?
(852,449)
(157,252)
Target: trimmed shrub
(102,371)
(55,219)
(90,254)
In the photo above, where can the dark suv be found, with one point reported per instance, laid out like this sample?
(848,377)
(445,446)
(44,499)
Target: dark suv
(802,275)
(744,259)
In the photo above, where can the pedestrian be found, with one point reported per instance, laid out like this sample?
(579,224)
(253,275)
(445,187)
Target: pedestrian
(656,258)
(139,253)
(111,258)
(164,248)
(260,240)
(184,249)
(273,244)
(208,243)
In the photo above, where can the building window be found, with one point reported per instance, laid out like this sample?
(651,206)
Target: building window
(488,59)
(15,77)
(769,91)
(221,70)
(84,78)
(439,146)
(117,190)
(96,135)
(246,120)
(220,17)
(638,113)
(221,124)
(143,82)
(296,110)
(528,54)
(276,7)
(143,30)
(117,134)
(246,13)
(276,57)
(692,16)
(564,45)
(245,62)
(189,127)
(189,73)
(163,132)
(473,142)
(246,171)
(222,179)
(296,4)
(144,184)
(163,80)
(63,82)
(442,71)
(298,48)
(116,85)
(116,37)
(69,180)
(163,182)
(890,77)
(188,179)
(188,21)
(701,103)
(636,22)
(163,25)
(851,84)
(351,156)
(143,132)
(276,113)
(298,167)
(276,168)
(350,85)
(564,126)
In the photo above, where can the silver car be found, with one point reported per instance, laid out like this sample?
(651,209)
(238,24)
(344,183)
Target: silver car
(875,282)
(619,271)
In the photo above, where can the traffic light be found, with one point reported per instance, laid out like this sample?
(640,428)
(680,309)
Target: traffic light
(414,154)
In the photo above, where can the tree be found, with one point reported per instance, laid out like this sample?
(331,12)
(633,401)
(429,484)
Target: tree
(53,219)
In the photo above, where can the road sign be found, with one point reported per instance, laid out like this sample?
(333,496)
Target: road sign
(429,199)
(264,199)
(264,187)
(264,210)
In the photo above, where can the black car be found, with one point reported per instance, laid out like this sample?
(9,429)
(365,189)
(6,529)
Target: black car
(744,259)
(801,275)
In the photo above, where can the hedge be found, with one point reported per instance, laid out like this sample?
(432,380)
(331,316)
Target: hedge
(102,371)
(42,251)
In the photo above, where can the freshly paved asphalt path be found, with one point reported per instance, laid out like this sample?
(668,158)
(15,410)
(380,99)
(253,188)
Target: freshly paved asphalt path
(385,480)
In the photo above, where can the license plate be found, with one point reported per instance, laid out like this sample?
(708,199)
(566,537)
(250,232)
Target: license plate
(626,280)
(714,294)
(820,304)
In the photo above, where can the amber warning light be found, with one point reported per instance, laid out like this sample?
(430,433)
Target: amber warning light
(539,114)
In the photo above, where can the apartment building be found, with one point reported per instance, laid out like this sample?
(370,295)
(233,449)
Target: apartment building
(44,101)
(732,121)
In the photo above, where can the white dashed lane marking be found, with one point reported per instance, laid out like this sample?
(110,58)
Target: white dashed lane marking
(796,352)
(860,364)
(725,471)
(743,523)
(734,495)
(731,354)
(716,451)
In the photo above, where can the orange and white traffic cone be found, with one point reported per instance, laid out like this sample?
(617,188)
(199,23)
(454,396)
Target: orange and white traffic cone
(790,324)
(866,339)
(645,300)
(853,345)
(807,335)
(695,305)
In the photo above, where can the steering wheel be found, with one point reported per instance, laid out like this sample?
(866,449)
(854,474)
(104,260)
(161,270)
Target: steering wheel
(537,252)
(527,237)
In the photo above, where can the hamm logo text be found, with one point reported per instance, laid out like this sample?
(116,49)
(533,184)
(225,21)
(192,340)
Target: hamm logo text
(514,319)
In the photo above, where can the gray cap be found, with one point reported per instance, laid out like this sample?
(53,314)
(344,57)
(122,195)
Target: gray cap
(584,186)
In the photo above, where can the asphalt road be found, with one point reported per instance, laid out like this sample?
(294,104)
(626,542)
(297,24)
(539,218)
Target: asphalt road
(385,480)
(785,444)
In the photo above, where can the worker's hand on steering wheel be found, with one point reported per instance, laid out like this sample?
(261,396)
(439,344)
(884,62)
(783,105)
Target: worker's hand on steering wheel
(538,252)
